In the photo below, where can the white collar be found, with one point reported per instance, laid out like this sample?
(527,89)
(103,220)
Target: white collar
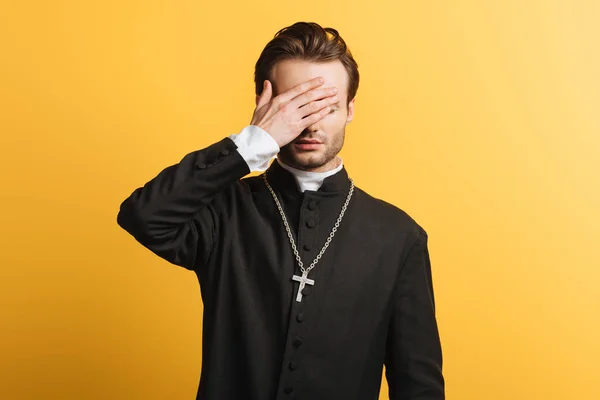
(310,180)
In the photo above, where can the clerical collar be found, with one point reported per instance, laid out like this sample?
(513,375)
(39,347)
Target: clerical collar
(330,181)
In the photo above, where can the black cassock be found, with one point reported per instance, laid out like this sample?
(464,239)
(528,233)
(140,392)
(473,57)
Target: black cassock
(372,301)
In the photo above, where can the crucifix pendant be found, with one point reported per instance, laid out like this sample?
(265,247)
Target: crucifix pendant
(303,282)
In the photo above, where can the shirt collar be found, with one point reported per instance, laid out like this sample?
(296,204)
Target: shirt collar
(290,178)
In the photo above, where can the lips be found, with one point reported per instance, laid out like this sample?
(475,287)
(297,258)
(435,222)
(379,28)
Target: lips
(307,144)
(308,141)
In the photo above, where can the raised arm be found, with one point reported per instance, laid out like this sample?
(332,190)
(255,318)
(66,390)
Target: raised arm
(173,214)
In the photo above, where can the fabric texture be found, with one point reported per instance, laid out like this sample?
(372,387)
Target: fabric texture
(372,302)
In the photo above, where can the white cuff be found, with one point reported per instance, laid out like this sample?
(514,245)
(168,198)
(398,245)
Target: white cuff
(256,147)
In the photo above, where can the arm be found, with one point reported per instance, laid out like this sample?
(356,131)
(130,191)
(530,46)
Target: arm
(413,353)
(173,214)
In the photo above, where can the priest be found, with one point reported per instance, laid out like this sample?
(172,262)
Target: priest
(310,285)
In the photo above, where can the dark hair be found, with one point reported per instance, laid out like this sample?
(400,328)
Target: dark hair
(310,42)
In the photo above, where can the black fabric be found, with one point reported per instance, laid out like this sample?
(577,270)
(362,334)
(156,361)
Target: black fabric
(372,301)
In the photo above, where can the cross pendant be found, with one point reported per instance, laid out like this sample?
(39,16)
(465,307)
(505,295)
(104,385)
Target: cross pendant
(303,281)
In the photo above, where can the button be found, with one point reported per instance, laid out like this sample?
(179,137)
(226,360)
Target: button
(305,291)
(224,152)
(288,390)
(201,165)
(293,366)
(312,205)
(311,223)
(297,342)
(300,317)
(308,247)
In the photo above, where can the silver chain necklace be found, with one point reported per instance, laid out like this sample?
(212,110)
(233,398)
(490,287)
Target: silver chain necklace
(303,280)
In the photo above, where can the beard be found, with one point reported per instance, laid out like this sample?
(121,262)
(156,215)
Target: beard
(312,159)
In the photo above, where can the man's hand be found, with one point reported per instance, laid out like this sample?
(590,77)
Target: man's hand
(287,115)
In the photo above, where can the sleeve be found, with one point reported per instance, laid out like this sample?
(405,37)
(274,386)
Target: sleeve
(256,146)
(413,350)
(173,215)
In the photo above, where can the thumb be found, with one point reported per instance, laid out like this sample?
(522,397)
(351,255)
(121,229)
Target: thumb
(266,94)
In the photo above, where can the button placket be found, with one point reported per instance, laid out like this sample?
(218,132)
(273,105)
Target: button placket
(310,229)
(308,232)
(292,366)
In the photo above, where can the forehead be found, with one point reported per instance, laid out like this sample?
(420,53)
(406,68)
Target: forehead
(289,73)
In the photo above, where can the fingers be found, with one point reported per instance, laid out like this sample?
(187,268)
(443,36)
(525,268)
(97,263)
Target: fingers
(266,94)
(315,117)
(315,94)
(316,106)
(300,89)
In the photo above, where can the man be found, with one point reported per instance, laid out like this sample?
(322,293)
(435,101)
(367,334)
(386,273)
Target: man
(309,284)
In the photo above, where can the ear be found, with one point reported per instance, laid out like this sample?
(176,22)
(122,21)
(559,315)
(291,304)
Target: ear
(350,111)
(257,99)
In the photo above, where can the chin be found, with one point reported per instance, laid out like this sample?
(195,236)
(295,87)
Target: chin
(305,161)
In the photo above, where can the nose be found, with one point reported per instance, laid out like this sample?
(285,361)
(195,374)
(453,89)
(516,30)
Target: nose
(311,128)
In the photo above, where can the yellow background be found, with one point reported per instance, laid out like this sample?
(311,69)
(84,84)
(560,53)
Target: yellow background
(479,118)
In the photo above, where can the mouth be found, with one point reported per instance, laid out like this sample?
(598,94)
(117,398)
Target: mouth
(307,144)
(308,141)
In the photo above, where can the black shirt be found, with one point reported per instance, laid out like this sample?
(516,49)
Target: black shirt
(372,301)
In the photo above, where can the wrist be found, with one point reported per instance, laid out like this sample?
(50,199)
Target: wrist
(256,146)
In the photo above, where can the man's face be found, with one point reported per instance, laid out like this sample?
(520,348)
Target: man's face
(329,131)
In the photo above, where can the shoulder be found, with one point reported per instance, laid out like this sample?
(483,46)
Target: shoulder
(388,216)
